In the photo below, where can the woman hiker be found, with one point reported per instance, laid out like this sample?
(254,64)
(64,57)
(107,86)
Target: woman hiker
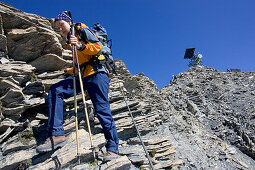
(95,81)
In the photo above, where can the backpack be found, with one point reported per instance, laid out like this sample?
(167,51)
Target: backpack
(99,34)
(102,36)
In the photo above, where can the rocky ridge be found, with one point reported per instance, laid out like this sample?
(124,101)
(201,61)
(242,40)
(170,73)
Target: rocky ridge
(204,119)
(212,108)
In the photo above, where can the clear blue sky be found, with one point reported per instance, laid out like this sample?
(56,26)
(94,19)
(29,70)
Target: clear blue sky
(151,36)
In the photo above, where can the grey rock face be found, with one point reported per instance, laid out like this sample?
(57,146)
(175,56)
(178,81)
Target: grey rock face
(28,36)
(18,70)
(13,75)
(204,102)
(48,62)
(35,88)
(1,26)
(3,43)
(29,44)
(3,40)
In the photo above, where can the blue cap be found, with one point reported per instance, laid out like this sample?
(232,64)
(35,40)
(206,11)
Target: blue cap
(63,16)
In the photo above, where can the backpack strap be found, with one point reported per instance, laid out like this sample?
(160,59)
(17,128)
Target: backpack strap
(78,31)
(86,35)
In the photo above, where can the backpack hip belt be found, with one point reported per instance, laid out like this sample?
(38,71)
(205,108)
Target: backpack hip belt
(94,61)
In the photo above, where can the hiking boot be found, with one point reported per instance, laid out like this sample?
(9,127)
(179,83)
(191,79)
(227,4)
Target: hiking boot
(51,144)
(110,156)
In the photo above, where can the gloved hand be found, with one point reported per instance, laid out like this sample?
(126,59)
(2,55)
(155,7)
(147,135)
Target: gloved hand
(74,41)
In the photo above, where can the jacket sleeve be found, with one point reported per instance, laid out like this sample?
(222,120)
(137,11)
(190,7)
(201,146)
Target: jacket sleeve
(91,48)
(70,71)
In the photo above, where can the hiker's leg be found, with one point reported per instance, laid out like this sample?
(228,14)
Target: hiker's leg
(58,92)
(97,86)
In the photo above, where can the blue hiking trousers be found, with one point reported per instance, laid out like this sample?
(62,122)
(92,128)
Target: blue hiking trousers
(97,86)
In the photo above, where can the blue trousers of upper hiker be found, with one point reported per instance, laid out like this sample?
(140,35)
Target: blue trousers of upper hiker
(97,86)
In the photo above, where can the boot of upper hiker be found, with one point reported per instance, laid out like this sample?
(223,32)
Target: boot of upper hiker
(110,156)
(51,144)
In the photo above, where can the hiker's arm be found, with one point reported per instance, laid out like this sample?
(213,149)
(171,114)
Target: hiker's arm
(69,71)
(91,48)
(73,41)
(87,49)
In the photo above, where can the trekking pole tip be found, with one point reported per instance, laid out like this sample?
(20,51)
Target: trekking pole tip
(78,158)
(94,152)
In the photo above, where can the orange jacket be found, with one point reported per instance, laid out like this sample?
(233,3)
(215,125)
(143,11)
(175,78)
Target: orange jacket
(86,54)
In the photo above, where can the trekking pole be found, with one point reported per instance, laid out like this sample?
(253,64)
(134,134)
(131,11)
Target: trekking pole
(68,14)
(74,52)
(83,95)
(131,115)
(75,108)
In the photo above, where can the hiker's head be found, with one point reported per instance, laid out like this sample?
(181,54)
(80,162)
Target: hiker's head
(63,22)
(63,27)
